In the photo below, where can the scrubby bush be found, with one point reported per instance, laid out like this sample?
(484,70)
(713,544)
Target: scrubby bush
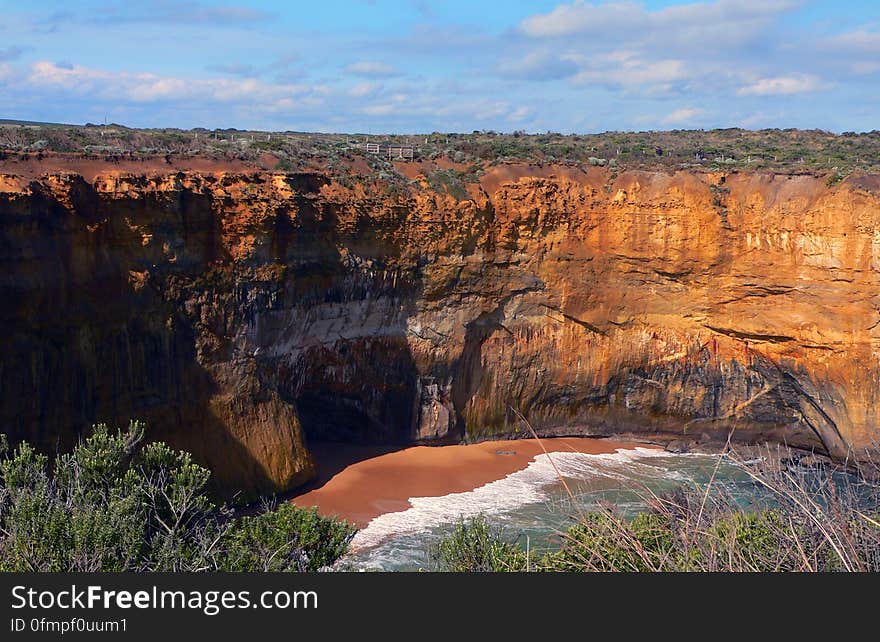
(606,542)
(450,181)
(475,546)
(788,151)
(834,178)
(809,522)
(116,504)
(286,538)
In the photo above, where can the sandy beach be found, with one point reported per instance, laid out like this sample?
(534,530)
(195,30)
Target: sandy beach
(360,483)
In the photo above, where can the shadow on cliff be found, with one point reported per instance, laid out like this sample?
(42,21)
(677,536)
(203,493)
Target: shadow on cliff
(131,307)
(90,333)
(368,386)
(353,379)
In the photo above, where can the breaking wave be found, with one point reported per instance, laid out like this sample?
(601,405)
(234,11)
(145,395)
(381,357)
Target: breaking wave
(530,485)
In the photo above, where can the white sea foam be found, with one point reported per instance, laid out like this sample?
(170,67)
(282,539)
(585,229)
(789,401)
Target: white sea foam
(527,486)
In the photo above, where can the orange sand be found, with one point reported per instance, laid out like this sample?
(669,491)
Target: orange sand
(381,481)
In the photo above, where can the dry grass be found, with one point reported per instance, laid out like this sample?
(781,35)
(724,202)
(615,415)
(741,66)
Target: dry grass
(809,519)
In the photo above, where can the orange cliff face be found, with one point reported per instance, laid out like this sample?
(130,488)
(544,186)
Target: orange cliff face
(243,314)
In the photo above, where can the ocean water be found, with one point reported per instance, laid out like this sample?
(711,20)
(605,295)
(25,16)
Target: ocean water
(533,504)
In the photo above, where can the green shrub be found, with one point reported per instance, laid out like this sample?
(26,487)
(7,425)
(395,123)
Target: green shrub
(833,179)
(449,181)
(474,546)
(752,542)
(606,542)
(288,538)
(814,524)
(114,504)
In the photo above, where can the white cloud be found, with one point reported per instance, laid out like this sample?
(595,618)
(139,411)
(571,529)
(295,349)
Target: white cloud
(539,65)
(581,17)
(174,12)
(690,48)
(372,69)
(400,103)
(520,114)
(235,69)
(72,77)
(380,110)
(859,40)
(683,116)
(489,110)
(760,119)
(146,88)
(626,69)
(699,25)
(150,89)
(435,107)
(694,63)
(858,50)
(10,53)
(783,86)
(866,68)
(364,89)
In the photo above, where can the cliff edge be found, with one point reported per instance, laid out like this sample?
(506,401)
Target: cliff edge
(243,314)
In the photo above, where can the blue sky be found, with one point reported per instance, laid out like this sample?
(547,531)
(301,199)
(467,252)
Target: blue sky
(421,66)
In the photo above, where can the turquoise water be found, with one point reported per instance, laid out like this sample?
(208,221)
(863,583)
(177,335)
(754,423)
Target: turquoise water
(534,506)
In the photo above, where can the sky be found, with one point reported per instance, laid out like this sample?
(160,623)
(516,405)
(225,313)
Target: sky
(414,66)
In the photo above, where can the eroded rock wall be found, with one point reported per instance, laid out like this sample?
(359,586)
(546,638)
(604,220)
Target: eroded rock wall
(243,314)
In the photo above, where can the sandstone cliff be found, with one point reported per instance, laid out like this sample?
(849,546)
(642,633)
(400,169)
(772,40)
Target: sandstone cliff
(244,314)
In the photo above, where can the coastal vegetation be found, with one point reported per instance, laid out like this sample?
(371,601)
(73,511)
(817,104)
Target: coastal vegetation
(812,521)
(786,151)
(117,503)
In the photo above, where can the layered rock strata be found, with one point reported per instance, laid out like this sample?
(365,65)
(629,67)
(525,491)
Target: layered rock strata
(242,315)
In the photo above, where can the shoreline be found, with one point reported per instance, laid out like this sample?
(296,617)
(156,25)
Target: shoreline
(360,483)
